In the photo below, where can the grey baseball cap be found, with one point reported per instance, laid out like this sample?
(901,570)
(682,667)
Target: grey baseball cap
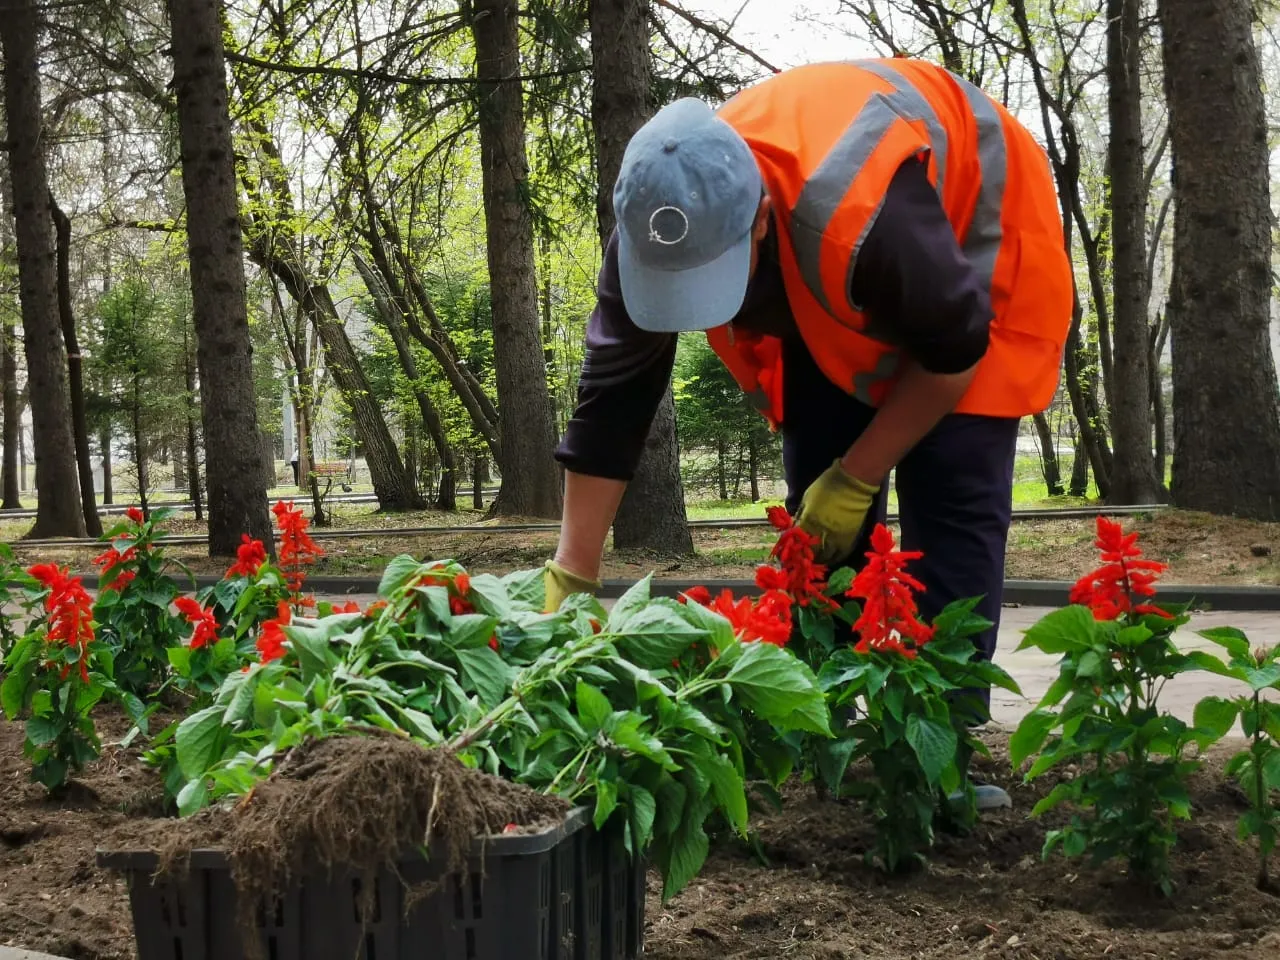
(685,201)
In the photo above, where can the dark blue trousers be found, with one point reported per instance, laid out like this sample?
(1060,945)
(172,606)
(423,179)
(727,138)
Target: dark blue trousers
(955,488)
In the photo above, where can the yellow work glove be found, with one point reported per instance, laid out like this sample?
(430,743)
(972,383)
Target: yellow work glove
(559,583)
(833,510)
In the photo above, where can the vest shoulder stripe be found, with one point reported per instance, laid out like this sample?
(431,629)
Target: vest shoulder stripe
(986,232)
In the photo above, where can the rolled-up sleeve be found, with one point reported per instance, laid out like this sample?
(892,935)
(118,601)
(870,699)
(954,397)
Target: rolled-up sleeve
(625,371)
(914,283)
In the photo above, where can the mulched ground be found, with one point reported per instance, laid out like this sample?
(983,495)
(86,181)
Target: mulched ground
(986,895)
(1198,548)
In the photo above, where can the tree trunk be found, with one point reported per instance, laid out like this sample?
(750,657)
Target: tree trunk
(1048,455)
(1226,404)
(104,448)
(620,104)
(12,416)
(233,452)
(1133,476)
(431,420)
(530,477)
(58,509)
(1158,411)
(1080,469)
(75,369)
(479,477)
(722,476)
(22,456)
(9,355)
(753,456)
(192,451)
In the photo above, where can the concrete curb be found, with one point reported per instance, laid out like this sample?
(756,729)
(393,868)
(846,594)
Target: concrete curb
(1027,593)
(12,953)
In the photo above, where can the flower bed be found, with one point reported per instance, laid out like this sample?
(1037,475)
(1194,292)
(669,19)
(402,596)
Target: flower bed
(667,719)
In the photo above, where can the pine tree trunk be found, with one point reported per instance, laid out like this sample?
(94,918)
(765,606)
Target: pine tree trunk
(75,369)
(104,447)
(192,451)
(479,472)
(58,508)
(652,514)
(12,417)
(530,477)
(1133,476)
(1226,404)
(1079,470)
(233,453)
(1048,456)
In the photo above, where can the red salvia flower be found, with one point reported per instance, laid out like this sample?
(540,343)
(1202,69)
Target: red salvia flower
(69,610)
(250,556)
(766,619)
(297,549)
(111,560)
(206,626)
(700,595)
(462,583)
(890,620)
(349,607)
(800,576)
(1116,587)
(271,638)
(135,515)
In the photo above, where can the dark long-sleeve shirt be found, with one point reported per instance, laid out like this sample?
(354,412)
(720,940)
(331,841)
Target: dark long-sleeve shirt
(911,280)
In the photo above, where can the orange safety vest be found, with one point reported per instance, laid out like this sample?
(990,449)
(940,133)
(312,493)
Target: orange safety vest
(828,138)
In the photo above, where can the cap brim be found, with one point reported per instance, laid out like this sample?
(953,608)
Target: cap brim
(676,301)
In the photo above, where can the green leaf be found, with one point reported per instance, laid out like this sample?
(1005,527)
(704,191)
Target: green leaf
(729,790)
(1062,631)
(42,731)
(934,744)
(776,686)
(634,599)
(1132,637)
(833,758)
(1030,735)
(489,595)
(180,660)
(487,673)
(1089,665)
(1261,678)
(643,810)
(1207,661)
(624,730)
(1215,716)
(13,692)
(719,631)
(400,570)
(688,853)
(311,644)
(656,635)
(1234,641)
(606,801)
(527,587)
(594,708)
(471,630)
(193,795)
(198,740)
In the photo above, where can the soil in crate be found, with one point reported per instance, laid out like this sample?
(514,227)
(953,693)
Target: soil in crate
(354,803)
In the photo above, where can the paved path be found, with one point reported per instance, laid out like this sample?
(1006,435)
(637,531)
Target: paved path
(1035,671)
(10,953)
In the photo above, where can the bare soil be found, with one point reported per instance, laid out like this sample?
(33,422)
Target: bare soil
(987,895)
(1198,548)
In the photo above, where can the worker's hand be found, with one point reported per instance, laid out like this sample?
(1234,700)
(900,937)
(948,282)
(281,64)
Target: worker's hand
(559,583)
(833,510)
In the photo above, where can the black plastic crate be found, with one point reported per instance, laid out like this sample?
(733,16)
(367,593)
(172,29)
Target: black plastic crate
(568,893)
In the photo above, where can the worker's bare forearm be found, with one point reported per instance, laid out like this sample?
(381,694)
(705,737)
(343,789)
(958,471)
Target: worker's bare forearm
(590,504)
(914,406)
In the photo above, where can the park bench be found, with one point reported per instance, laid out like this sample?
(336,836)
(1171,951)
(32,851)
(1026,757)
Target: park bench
(340,473)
